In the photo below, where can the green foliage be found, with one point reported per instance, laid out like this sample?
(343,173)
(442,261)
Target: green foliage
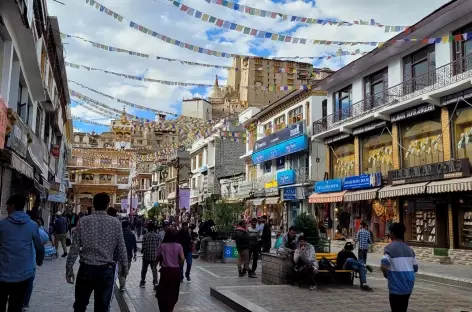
(306,224)
(443,252)
(155,213)
(224,214)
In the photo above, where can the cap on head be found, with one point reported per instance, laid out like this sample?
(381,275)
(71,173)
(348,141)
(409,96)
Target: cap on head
(349,246)
(58,213)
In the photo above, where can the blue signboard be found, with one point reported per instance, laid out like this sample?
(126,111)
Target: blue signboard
(285,134)
(362,181)
(286,177)
(334,185)
(289,193)
(282,149)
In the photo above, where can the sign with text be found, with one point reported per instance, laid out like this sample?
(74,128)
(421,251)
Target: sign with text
(282,149)
(369,127)
(184,198)
(327,186)
(413,112)
(362,181)
(336,138)
(291,131)
(456,168)
(289,193)
(286,177)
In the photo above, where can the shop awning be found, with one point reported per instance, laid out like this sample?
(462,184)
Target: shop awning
(257,201)
(21,166)
(403,190)
(454,185)
(326,197)
(361,195)
(272,200)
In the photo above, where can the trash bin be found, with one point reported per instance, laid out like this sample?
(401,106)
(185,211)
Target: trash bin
(230,253)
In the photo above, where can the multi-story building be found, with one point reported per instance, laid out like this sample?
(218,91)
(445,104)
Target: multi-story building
(281,162)
(197,108)
(33,107)
(256,82)
(401,117)
(213,158)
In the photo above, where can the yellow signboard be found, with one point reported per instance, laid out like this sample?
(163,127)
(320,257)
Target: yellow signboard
(271,184)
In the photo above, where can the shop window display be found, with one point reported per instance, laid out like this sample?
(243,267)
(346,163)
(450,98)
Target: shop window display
(384,213)
(463,133)
(423,226)
(377,154)
(343,159)
(466,235)
(422,143)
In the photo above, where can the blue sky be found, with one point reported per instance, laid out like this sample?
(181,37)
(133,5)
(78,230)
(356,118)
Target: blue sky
(78,18)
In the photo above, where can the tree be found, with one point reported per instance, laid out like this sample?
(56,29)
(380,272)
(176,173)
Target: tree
(155,212)
(225,215)
(306,224)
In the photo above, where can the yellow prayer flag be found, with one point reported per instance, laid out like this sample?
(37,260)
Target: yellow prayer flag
(205,17)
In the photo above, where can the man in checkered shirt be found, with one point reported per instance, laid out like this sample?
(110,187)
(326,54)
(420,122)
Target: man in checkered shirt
(151,242)
(363,238)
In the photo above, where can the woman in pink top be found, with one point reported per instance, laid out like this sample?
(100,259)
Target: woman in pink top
(170,255)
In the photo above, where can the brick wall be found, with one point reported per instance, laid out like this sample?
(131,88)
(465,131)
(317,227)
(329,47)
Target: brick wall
(356,156)
(446,137)
(276,270)
(6,188)
(227,161)
(396,148)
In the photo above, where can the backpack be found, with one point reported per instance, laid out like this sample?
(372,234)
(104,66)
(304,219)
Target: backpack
(325,264)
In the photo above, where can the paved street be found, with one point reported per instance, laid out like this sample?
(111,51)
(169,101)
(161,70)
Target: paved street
(51,293)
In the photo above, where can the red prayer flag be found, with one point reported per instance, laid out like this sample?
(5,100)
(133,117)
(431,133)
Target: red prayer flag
(184,8)
(219,23)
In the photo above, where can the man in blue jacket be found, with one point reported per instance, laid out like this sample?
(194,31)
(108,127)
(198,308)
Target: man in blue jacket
(17,233)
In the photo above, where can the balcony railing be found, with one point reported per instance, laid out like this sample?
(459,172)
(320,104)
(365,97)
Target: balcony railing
(302,175)
(433,80)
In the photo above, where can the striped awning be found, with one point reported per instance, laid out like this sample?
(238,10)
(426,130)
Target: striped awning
(454,185)
(361,195)
(258,201)
(403,190)
(326,197)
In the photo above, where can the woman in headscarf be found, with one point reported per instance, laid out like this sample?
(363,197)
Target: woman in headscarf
(170,255)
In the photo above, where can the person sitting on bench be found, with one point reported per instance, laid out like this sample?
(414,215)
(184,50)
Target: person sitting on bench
(305,261)
(346,260)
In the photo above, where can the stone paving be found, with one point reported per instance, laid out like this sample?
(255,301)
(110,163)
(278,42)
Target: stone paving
(51,292)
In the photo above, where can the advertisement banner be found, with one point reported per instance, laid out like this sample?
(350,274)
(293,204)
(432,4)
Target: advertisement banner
(286,177)
(290,132)
(327,186)
(184,198)
(289,193)
(362,181)
(282,149)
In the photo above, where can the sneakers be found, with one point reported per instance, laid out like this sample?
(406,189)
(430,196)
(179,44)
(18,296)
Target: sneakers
(366,287)
(188,278)
(252,275)
(25,308)
(122,288)
(241,274)
(142,284)
(64,255)
(313,287)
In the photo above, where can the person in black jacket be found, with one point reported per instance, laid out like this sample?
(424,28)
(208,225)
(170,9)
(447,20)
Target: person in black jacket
(266,234)
(185,239)
(347,260)
(242,245)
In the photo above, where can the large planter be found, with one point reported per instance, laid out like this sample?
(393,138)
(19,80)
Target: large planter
(214,251)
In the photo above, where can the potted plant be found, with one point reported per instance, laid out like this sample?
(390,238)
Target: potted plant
(225,215)
(306,224)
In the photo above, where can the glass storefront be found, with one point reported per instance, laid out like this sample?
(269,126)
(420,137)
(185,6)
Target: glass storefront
(343,160)
(463,133)
(422,141)
(377,154)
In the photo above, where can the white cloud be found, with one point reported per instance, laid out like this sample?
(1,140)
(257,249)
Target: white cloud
(78,18)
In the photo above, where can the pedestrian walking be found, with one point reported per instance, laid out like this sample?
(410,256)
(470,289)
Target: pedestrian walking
(186,241)
(170,255)
(44,236)
(399,267)
(20,246)
(242,244)
(131,251)
(112,212)
(165,228)
(139,227)
(363,238)
(60,233)
(254,243)
(150,244)
(97,238)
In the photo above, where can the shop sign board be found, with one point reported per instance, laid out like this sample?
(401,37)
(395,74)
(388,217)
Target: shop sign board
(336,138)
(292,131)
(19,138)
(327,186)
(369,127)
(456,168)
(244,189)
(362,181)
(413,112)
(458,96)
(282,149)
(286,177)
(289,193)
(271,184)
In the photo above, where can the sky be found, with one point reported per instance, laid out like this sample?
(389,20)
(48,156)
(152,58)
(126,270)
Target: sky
(78,18)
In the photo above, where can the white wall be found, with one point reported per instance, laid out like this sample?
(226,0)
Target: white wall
(197,108)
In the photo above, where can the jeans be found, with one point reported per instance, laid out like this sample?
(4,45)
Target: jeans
(144,269)
(243,259)
(121,277)
(254,252)
(60,238)
(100,280)
(188,259)
(13,294)
(204,243)
(362,255)
(399,303)
(358,266)
(29,291)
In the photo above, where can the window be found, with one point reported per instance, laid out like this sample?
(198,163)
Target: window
(307,115)
(39,121)
(105,162)
(267,166)
(22,108)
(419,69)
(252,173)
(122,179)
(343,160)
(295,115)
(193,163)
(280,163)
(268,128)
(46,130)
(252,138)
(422,142)
(342,104)
(377,153)
(87,177)
(279,123)
(463,51)
(374,89)
(2,48)
(463,133)
(72,177)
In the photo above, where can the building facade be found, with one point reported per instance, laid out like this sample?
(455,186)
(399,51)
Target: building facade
(281,162)
(397,127)
(36,125)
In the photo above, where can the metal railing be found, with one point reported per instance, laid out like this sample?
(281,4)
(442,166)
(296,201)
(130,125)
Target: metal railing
(433,80)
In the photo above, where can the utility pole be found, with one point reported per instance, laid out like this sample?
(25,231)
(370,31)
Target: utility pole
(177,189)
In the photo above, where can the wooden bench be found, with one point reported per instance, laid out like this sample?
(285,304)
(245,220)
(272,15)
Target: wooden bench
(343,276)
